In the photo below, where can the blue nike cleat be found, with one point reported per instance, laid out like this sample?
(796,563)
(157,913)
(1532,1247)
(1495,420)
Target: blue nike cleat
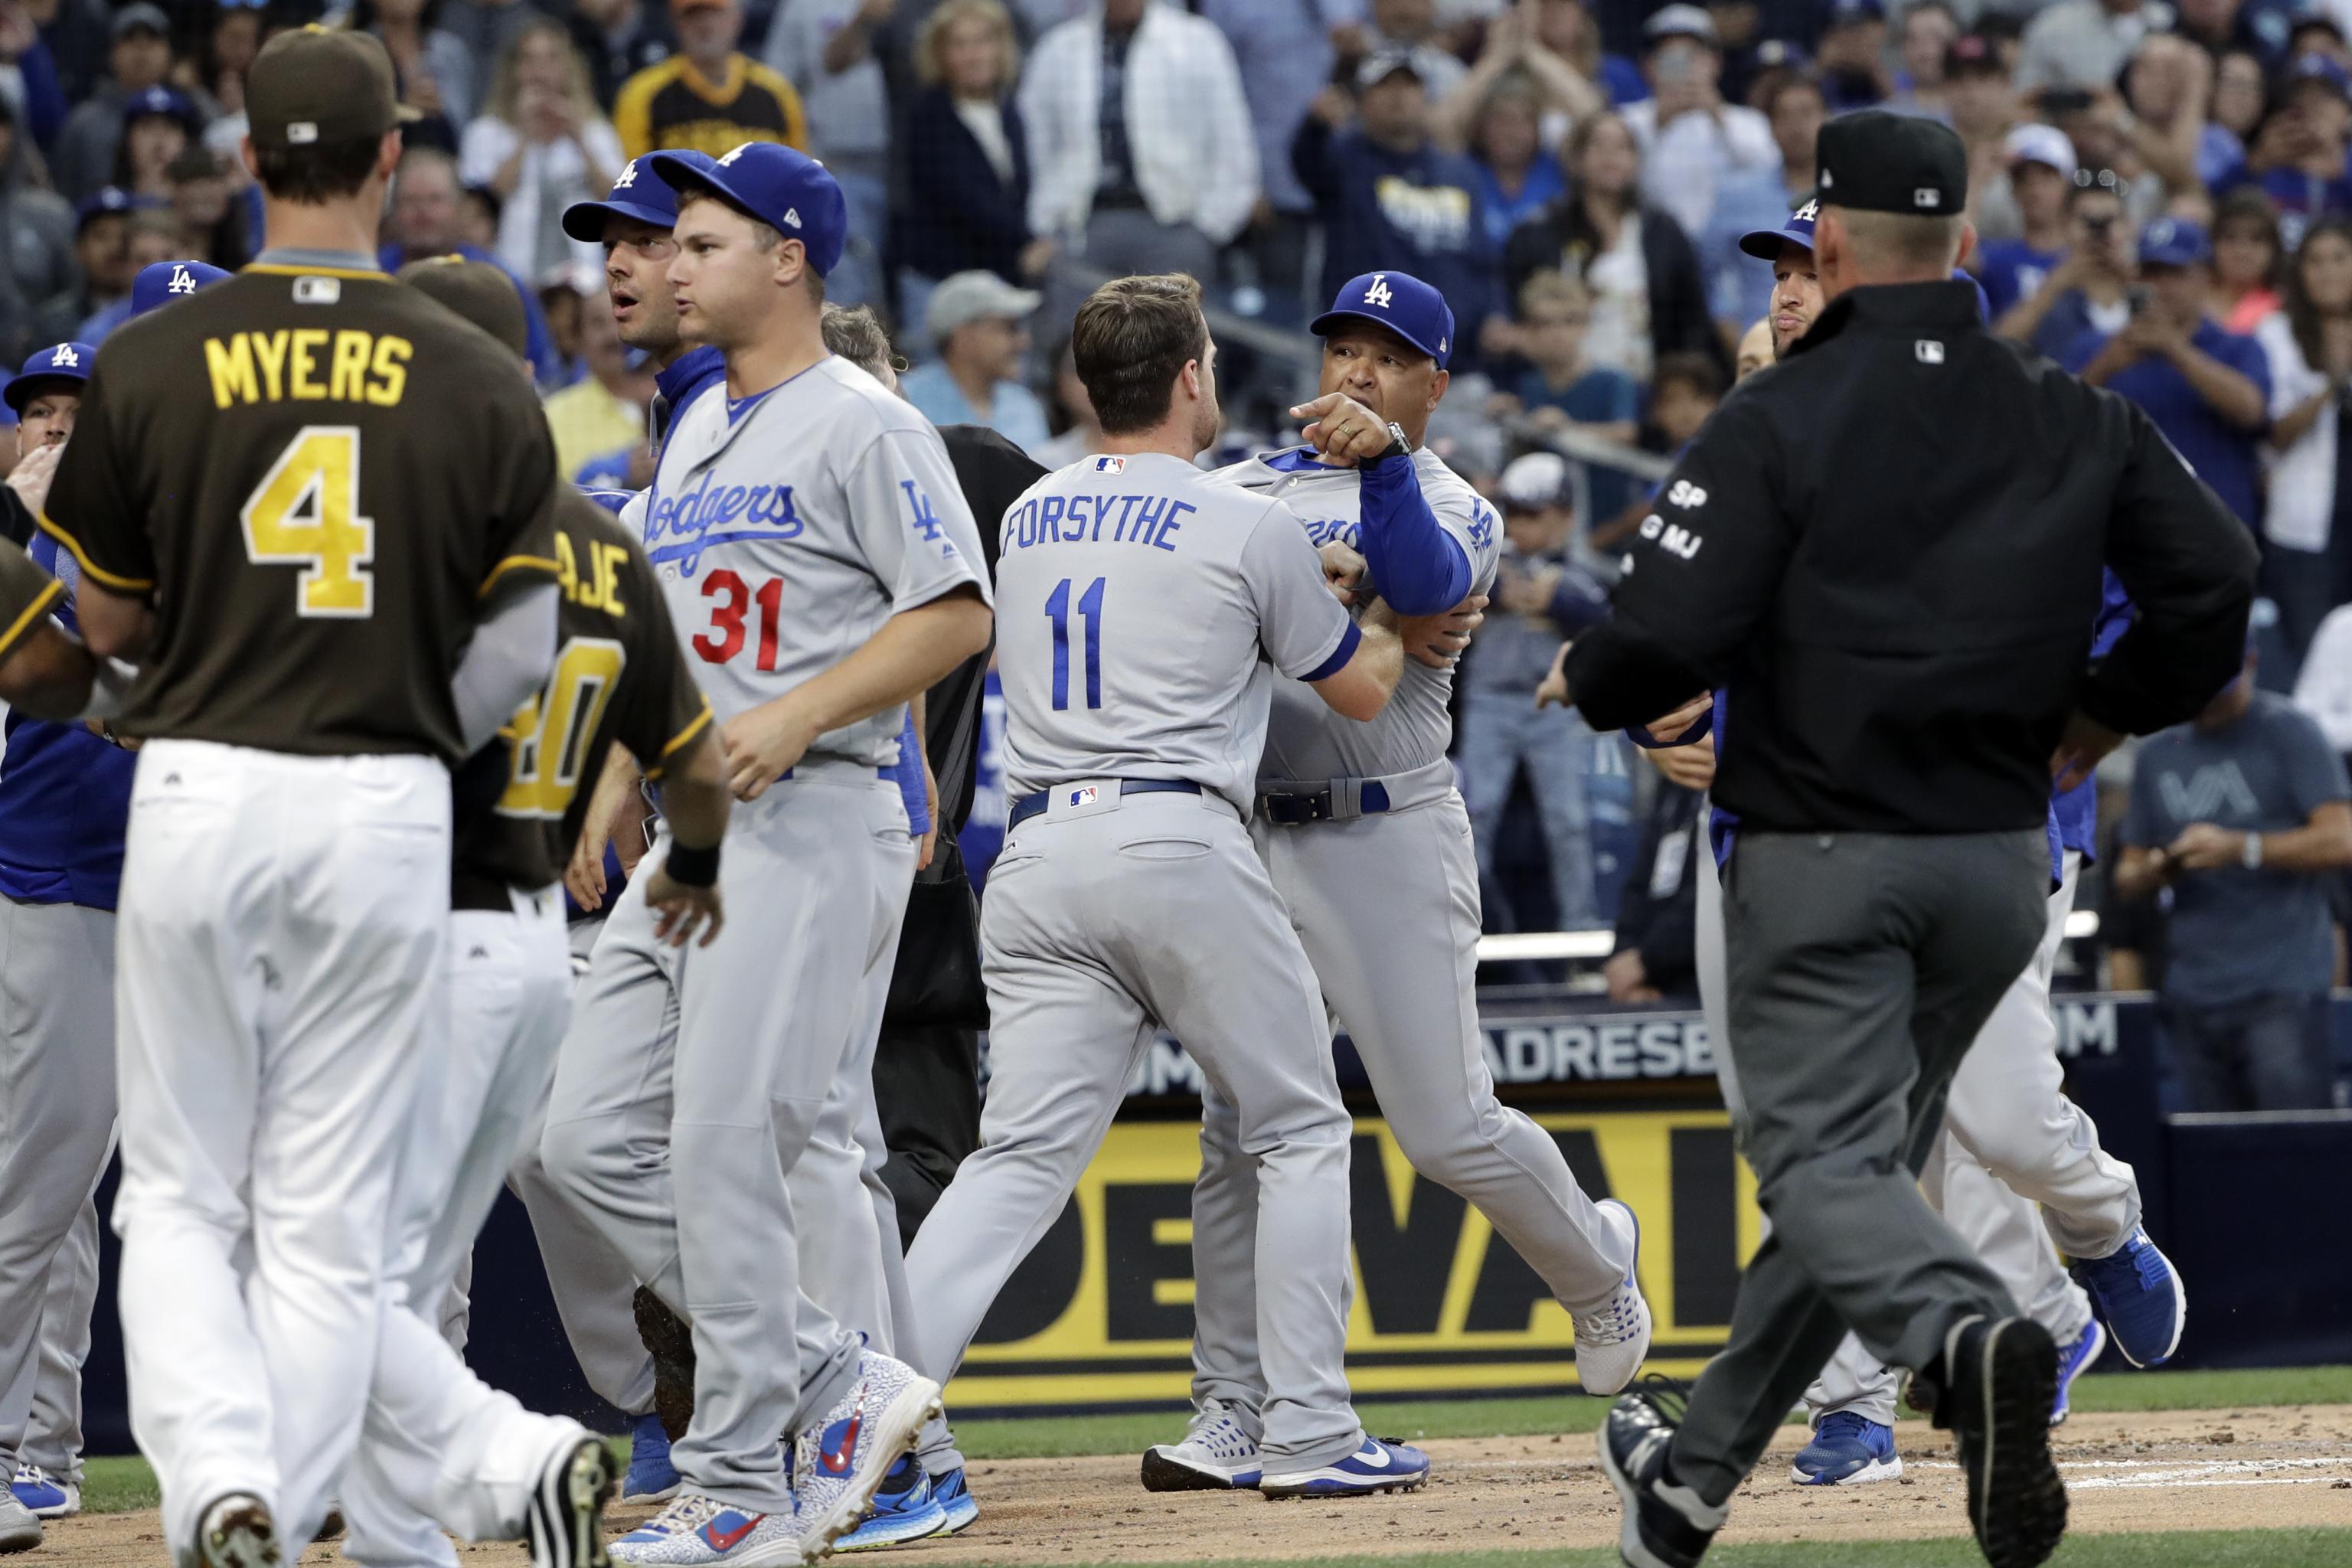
(904,1509)
(44,1494)
(1381,1465)
(2140,1298)
(652,1478)
(1848,1449)
(952,1494)
(2074,1359)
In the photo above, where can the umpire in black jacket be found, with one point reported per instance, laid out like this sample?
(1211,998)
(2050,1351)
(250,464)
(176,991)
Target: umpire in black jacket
(1884,555)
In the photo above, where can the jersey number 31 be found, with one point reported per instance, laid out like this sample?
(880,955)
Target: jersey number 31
(306,513)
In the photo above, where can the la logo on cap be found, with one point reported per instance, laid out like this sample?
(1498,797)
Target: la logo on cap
(182,281)
(1809,212)
(1379,293)
(629,177)
(65,357)
(738,152)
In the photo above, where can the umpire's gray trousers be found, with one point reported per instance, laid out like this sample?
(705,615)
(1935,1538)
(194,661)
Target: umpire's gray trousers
(1862,966)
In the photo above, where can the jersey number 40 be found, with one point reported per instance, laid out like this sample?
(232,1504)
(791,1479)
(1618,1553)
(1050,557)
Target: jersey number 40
(306,513)
(550,734)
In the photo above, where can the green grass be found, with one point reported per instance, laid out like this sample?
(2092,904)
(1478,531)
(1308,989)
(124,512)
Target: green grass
(2112,1393)
(118,1485)
(2219,1549)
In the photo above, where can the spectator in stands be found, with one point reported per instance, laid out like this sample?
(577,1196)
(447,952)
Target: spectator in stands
(1540,596)
(2167,92)
(212,223)
(478,214)
(434,71)
(539,144)
(977,327)
(225,54)
(967,162)
(1561,390)
(1649,299)
(1517,177)
(1690,140)
(152,235)
(1566,28)
(1852,56)
(1410,28)
(2084,42)
(2324,689)
(606,410)
(2312,29)
(1735,292)
(2041,174)
(825,50)
(2307,560)
(140,58)
(2207,389)
(424,224)
(1653,959)
(2242,818)
(36,252)
(2241,95)
(1929,31)
(1140,140)
(2246,257)
(1391,198)
(618,39)
(708,96)
(1515,50)
(2213,27)
(1983,107)
(157,126)
(1683,393)
(2091,288)
(1794,108)
(2298,156)
(1074,410)
(102,255)
(489,29)
(1286,54)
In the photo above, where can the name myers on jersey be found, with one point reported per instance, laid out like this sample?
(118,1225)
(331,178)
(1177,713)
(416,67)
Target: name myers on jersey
(1080,520)
(679,528)
(308,364)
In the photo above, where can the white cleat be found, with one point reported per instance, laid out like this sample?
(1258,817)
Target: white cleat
(1217,1455)
(1612,1339)
(19,1530)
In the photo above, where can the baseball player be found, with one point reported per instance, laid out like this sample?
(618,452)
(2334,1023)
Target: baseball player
(820,566)
(1141,607)
(618,675)
(386,603)
(1365,836)
(65,793)
(2012,1139)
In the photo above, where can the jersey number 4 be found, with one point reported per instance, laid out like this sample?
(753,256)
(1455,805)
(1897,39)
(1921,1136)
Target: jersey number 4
(306,513)
(551,732)
(1057,608)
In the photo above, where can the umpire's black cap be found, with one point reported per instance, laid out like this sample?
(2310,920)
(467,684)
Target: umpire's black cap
(1871,160)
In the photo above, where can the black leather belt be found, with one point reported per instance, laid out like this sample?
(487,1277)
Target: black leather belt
(1029,806)
(1295,808)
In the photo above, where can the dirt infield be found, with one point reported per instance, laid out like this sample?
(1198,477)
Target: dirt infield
(2169,1470)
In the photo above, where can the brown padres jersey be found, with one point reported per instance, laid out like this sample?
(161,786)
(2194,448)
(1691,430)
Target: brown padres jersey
(322,476)
(27,594)
(619,674)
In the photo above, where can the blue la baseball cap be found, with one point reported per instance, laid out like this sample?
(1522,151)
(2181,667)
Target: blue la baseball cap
(790,192)
(638,194)
(2319,68)
(165,281)
(164,100)
(1402,303)
(62,362)
(109,201)
(2173,242)
(1764,244)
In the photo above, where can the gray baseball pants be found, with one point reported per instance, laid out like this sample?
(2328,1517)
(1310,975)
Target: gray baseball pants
(1103,922)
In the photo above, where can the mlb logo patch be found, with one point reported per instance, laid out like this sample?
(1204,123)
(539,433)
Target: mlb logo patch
(1110,465)
(1086,797)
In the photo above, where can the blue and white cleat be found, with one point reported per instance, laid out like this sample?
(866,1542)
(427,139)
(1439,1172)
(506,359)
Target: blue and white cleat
(2074,1359)
(45,1495)
(1848,1449)
(1381,1465)
(951,1494)
(904,1510)
(838,1463)
(1612,1339)
(697,1532)
(2140,1298)
(652,1478)
(1217,1455)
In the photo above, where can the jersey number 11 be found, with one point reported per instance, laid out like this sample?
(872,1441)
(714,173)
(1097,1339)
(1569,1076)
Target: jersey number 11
(1057,608)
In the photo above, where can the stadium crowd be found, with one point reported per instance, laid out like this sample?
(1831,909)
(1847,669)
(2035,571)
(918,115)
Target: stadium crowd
(2162,191)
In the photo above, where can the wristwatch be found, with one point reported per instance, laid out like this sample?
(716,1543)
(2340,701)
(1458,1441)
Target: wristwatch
(2254,854)
(1398,446)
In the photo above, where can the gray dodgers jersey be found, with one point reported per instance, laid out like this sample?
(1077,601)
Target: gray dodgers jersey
(1138,604)
(1306,740)
(786,531)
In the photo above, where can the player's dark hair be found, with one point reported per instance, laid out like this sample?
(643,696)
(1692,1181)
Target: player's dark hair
(1133,339)
(321,172)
